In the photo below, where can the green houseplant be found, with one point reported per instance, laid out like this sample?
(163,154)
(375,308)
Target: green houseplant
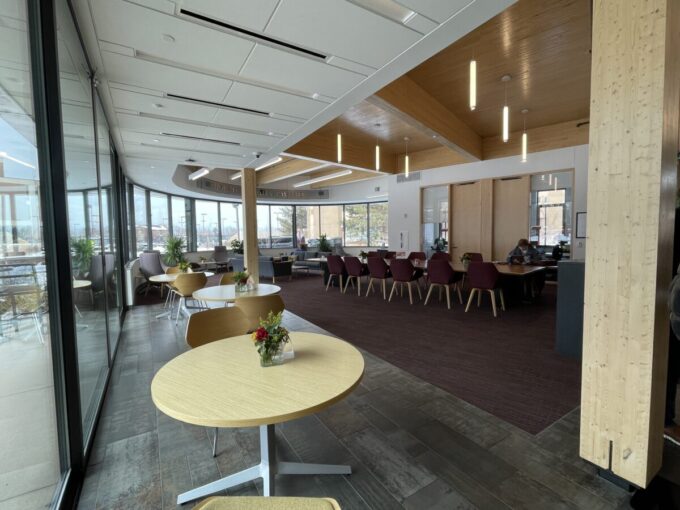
(82,249)
(173,251)
(237,246)
(440,244)
(324,245)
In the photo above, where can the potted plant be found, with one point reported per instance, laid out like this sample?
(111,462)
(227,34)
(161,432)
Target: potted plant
(241,280)
(82,249)
(363,254)
(465,259)
(173,251)
(324,245)
(184,266)
(237,246)
(271,340)
(440,244)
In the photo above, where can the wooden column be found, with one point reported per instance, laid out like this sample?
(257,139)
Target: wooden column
(632,180)
(249,199)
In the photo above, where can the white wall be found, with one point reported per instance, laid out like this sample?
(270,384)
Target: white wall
(404,198)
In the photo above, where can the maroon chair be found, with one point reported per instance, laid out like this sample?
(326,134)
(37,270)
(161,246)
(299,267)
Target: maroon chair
(475,257)
(378,270)
(355,269)
(484,277)
(418,258)
(336,267)
(403,272)
(391,255)
(440,255)
(372,254)
(442,275)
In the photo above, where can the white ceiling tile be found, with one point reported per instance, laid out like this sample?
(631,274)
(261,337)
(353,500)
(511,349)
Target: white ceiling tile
(151,75)
(349,65)
(153,125)
(252,14)
(421,24)
(137,137)
(178,155)
(299,73)
(143,29)
(336,27)
(170,107)
(259,98)
(438,10)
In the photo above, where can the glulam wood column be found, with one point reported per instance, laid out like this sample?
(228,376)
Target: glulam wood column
(249,200)
(632,182)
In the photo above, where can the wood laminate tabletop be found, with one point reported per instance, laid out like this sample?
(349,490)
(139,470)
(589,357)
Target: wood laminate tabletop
(227,293)
(169,278)
(221,384)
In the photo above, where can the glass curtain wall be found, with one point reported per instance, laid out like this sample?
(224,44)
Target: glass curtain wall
(141,221)
(160,221)
(332,223)
(207,225)
(263,231)
(30,464)
(377,224)
(307,225)
(282,226)
(356,225)
(231,216)
(179,218)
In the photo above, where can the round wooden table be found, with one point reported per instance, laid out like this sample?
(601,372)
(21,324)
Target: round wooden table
(222,384)
(228,294)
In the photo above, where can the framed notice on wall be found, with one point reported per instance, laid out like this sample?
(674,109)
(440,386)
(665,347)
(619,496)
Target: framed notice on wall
(580,225)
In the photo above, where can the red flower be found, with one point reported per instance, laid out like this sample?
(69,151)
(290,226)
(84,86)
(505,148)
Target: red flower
(261,334)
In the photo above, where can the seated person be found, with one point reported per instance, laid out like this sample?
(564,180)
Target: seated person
(523,253)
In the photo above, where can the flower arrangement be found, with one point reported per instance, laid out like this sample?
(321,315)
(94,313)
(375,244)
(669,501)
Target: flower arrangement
(270,339)
(241,279)
(184,266)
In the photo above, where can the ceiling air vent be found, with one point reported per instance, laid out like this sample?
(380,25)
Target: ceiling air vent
(188,137)
(254,35)
(414,176)
(218,105)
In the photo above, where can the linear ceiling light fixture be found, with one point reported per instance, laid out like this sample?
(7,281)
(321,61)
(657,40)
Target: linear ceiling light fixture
(524,136)
(506,111)
(202,172)
(4,155)
(406,162)
(473,84)
(271,162)
(322,178)
(339,143)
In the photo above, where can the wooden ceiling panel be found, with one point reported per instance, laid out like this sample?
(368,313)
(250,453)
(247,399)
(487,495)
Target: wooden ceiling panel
(543,44)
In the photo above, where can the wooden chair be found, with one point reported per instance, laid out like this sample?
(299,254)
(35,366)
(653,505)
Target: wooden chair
(227,279)
(211,325)
(266,503)
(184,286)
(258,307)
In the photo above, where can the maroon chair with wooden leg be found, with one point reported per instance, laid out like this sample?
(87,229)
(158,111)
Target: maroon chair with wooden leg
(355,270)
(419,259)
(475,257)
(442,275)
(336,268)
(403,273)
(378,270)
(440,255)
(484,277)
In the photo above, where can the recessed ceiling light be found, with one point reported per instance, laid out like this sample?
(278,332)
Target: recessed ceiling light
(315,95)
(157,105)
(270,133)
(153,166)
(168,38)
(156,140)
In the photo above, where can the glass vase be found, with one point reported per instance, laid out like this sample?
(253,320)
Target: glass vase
(241,287)
(272,357)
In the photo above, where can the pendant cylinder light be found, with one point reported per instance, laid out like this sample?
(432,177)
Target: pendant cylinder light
(339,148)
(524,136)
(473,84)
(377,157)
(406,161)
(506,111)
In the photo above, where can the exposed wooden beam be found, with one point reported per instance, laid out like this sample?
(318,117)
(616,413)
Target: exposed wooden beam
(357,154)
(555,136)
(285,170)
(411,103)
(431,158)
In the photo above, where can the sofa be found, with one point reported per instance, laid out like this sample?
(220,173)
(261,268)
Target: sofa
(301,258)
(268,267)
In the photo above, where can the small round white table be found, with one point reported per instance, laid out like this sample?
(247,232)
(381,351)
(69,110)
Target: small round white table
(228,294)
(221,384)
(169,278)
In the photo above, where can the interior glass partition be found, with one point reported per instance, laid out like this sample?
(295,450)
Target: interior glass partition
(30,463)
(87,255)
(435,218)
(551,211)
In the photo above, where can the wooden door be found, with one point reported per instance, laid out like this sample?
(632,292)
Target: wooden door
(510,213)
(466,218)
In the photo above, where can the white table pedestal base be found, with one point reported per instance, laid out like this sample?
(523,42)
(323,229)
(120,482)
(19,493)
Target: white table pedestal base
(266,469)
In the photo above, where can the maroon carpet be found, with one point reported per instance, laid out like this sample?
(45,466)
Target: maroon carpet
(506,366)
